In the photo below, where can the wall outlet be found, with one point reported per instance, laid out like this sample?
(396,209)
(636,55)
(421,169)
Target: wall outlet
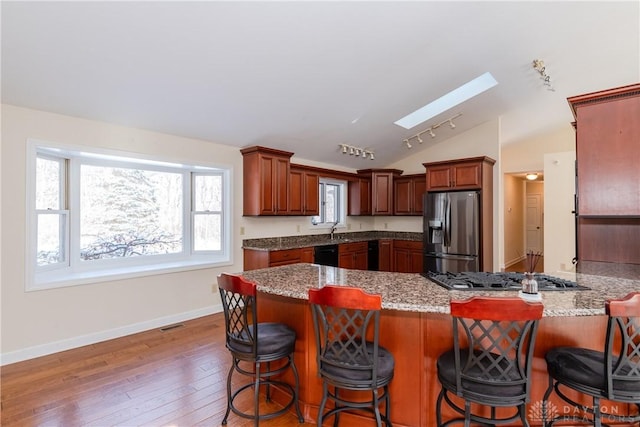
(214,288)
(242,231)
(298,228)
(348,226)
(386,225)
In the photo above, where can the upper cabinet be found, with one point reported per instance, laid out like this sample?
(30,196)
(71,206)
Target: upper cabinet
(407,194)
(462,174)
(360,196)
(303,191)
(266,181)
(608,151)
(381,191)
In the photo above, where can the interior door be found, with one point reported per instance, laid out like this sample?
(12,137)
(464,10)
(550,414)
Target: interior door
(534,223)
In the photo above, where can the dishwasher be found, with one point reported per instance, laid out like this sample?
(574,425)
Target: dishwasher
(326,255)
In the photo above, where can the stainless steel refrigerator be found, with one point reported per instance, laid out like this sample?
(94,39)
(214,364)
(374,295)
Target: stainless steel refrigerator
(451,231)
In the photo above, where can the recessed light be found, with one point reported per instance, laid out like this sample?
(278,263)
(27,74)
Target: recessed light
(450,100)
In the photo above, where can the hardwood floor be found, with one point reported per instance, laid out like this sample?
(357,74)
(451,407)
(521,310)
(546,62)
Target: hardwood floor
(520,267)
(175,377)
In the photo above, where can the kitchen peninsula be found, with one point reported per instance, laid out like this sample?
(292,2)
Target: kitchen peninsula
(416,327)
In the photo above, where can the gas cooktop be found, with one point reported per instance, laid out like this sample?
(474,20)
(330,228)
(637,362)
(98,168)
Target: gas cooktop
(482,281)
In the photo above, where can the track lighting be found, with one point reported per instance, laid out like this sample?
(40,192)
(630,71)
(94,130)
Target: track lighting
(430,131)
(356,151)
(539,66)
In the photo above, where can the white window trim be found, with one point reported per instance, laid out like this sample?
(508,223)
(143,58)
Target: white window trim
(343,205)
(43,278)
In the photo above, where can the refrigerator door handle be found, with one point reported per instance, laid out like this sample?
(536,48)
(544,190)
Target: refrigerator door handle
(447,222)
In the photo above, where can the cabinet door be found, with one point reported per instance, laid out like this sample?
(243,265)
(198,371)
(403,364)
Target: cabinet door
(296,192)
(306,255)
(360,260)
(419,188)
(385,262)
(382,194)
(281,185)
(416,261)
(360,197)
(346,260)
(402,196)
(467,175)
(311,197)
(401,260)
(439,178)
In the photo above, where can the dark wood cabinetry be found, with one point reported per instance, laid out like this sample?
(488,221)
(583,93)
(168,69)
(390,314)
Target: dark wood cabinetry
(474,173)
(608,176)
(353,255)
(407,194)
(303,191)
(385,252)
(359,197)
(266,181)
(379,193)
(463,174)
(407,256)
(255,259)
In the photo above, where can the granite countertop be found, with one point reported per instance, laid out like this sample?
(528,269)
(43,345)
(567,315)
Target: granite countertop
(294,242)
(412,292)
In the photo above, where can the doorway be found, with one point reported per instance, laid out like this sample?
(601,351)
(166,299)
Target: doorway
(523,219)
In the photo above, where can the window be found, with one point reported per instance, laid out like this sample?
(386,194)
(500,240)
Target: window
(332,194)
(97,216)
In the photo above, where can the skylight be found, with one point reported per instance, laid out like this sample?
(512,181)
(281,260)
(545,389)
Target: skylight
(450,100)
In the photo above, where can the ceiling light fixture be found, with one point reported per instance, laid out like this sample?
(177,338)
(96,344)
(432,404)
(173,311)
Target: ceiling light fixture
(430,131)
(356,151)
(446,102)
(531,176)
(539,66)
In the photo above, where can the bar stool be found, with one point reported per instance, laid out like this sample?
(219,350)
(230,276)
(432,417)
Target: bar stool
(346,360)
(254,346)
(492,368)
(612,374)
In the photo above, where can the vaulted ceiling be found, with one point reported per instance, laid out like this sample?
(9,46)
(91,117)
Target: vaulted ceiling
(308,76)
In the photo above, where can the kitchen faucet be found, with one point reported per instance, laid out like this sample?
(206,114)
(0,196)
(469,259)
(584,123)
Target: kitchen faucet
(333,229)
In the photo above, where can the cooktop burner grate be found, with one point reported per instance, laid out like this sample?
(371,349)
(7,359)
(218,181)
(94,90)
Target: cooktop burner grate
(498,281)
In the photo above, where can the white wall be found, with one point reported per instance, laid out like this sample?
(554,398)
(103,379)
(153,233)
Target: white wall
(483,140)
(40,322)
(533,155)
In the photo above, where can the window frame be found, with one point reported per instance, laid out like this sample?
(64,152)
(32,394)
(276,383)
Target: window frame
(75,271)
(319,221)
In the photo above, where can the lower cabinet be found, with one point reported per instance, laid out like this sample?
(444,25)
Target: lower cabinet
(385,258)
(353,255)
(254,259)
(407,256)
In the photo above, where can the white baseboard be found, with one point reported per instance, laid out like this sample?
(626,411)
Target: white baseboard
(514,261)
(67,344)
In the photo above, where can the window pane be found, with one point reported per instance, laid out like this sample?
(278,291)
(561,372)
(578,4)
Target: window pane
(129,212)
(331,204)
(207,193)
(207,232)
(48,183)
(50,246)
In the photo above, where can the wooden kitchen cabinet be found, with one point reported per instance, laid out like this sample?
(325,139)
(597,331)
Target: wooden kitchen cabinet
(462,174)
(265,181)
(255,259)
(407,194)
(385,251)
(353,255)
(608,177)
(359,196)
(407,256)
(381,191)
(303,191)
